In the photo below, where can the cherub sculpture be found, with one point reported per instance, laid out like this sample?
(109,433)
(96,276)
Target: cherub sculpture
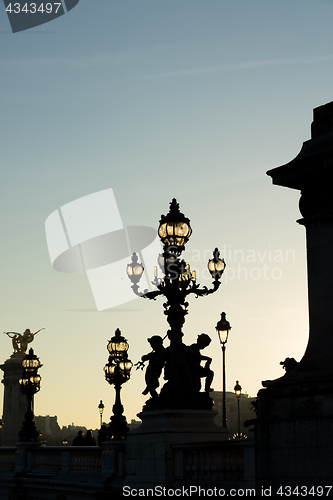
(195,358)
(156,360)
(20,341)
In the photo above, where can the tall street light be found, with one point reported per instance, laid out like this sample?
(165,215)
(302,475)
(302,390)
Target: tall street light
(117,372)
(176,284)
(223,327)
(30,385)
(177,281)
(238,391)
(101,409)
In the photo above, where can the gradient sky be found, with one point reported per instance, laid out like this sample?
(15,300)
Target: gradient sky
(188,99)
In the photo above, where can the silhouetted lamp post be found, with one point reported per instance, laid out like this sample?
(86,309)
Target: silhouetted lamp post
(177,281)
(238,391)
(30,385)
(117,372)
(223,327)
(101,409)
(175,284)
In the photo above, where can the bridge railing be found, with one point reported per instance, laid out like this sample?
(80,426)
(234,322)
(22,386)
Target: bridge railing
(220,462)
(216,462)
(49,460)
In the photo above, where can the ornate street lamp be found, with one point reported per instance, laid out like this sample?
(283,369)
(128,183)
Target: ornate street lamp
(117,372)
(216,265)
(238,391)
(174,229)
(223,327)
(101,409)
(135,270)
(30,385)
(178,281)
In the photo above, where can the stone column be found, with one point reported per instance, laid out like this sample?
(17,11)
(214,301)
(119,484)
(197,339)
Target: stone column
(294,435)
(14,402)
(311,173)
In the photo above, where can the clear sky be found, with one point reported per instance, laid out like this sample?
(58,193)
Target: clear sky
(193,99)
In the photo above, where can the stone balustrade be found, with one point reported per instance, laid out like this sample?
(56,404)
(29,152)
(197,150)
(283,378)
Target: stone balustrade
(76,471)
(90,471)
(228,462)
(7,459)
(64,459)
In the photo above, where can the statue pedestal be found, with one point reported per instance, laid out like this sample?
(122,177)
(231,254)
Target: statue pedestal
(149,452)
(294,435)
(14,402)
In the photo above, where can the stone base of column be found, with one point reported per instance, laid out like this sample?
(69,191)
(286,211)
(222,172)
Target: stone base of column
(149,452)
(14,402)
(294,434)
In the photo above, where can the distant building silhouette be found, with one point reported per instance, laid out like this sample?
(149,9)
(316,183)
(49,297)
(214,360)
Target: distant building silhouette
(47,426)
(245,407)
(52,435)
(134,424)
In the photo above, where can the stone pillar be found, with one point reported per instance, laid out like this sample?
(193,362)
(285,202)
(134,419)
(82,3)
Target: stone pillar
(294,432)
(14,402)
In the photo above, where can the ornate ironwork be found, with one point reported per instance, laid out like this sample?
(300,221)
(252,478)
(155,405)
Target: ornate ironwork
(176,284)
(178,281)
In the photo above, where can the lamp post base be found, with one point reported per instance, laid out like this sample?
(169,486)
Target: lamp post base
(29,432)
(118,428)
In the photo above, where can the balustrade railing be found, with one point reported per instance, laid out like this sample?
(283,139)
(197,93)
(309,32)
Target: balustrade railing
(7,458)
(227,461)
(72,459)
(215,462)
